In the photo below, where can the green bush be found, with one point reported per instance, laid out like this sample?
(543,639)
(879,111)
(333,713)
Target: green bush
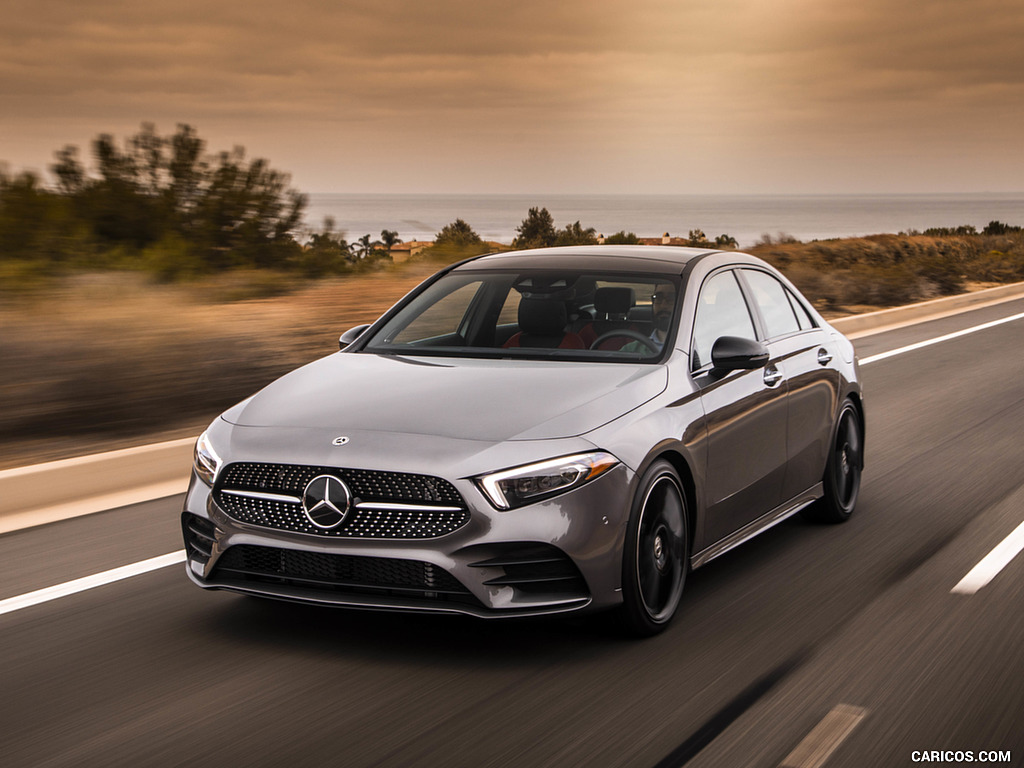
(622,237)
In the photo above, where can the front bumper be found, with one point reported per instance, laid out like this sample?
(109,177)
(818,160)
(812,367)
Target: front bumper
(561,554)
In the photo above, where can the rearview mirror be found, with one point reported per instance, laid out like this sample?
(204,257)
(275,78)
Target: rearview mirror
(733,353)
(351,335)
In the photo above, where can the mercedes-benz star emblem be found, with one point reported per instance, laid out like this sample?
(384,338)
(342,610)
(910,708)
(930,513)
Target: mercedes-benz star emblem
(326,501)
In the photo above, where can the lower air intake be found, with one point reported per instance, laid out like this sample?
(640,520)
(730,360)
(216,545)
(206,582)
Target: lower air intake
(338,574)
(537,570)
(199,536)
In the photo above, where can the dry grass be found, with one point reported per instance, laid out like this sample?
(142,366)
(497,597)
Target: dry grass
(890,270)
(107,360)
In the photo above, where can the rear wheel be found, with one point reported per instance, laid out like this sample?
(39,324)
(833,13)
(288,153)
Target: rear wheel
(655,559)
(843,470)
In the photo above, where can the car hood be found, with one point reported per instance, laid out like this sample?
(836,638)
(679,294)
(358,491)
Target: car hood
(469,399)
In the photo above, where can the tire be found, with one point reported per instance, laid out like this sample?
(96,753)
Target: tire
(842,470)
(656,555)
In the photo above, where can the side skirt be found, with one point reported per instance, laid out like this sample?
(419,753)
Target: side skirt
(762,524)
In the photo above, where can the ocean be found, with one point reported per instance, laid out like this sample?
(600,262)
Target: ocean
(745,217)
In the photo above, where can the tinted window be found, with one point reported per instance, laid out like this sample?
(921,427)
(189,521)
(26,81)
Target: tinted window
(770,297)
(537,314)
(721,311)
(439,319)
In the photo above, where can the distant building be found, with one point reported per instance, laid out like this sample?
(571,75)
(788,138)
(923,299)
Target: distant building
(404,251)
(665,239)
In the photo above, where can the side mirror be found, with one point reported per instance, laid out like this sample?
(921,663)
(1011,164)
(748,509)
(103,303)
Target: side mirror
(732,353)
(351,335)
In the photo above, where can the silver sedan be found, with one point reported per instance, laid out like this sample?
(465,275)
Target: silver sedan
(536,432)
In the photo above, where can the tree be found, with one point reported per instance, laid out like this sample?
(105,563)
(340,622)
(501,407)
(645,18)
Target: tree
(389,238)
(147,154)
(726,241)
(365,246)
(120,206)
(622,238)
(999,228)
(574,234)
(69,171)
(536,231)
(28,218)
(458,234)
(963,230)
(245,213)
(160,200)
(187,171)
(326,252)
(698,238)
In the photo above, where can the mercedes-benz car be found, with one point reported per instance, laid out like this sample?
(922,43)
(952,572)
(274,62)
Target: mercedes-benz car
(536,432)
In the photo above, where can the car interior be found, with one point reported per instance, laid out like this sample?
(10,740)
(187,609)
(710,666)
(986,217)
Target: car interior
(583,313)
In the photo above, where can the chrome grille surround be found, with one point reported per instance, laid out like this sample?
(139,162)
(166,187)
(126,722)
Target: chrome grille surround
(386,505)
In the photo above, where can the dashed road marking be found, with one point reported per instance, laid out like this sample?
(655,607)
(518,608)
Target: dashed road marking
(992,563)
(820,743)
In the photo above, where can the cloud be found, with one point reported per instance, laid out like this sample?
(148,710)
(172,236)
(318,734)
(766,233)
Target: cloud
(652,90)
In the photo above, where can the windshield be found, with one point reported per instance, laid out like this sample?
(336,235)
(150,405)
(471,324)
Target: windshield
(537,315)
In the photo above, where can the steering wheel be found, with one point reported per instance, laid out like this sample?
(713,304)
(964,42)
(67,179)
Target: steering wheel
(635,335)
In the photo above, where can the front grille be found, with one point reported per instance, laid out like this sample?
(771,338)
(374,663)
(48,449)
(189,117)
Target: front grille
(341,574)
(365,484)
(199,536)
(385,505)
(532,569)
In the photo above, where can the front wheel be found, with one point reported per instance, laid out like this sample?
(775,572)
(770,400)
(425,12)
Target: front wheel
(843,470)
(654,562)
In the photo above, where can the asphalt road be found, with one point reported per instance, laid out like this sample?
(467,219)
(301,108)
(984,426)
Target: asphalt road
(850,632)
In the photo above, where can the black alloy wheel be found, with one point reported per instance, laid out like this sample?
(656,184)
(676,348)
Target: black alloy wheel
(656,556)
(843,470)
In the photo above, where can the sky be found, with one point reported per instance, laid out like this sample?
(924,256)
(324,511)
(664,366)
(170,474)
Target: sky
(557,96)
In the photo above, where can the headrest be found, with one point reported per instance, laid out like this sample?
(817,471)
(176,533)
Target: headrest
(613,301)
(542,317)
(641,314)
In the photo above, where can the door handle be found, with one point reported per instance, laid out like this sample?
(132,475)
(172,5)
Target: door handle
(824,358)
(772,375)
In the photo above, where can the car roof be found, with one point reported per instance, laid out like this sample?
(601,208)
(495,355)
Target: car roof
(614,258)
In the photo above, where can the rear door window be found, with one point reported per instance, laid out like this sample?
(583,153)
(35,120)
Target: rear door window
(802,315)
(770,296)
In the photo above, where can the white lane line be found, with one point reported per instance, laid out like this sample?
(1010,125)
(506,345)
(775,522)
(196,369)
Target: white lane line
(820,743)
(89,582)
(947,337)
(992,563)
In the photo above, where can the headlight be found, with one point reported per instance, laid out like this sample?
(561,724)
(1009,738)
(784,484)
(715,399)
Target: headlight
(523,485)
(205,460)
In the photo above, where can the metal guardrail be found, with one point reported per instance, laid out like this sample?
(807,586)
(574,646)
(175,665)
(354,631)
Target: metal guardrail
(913,313)
(58,490)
